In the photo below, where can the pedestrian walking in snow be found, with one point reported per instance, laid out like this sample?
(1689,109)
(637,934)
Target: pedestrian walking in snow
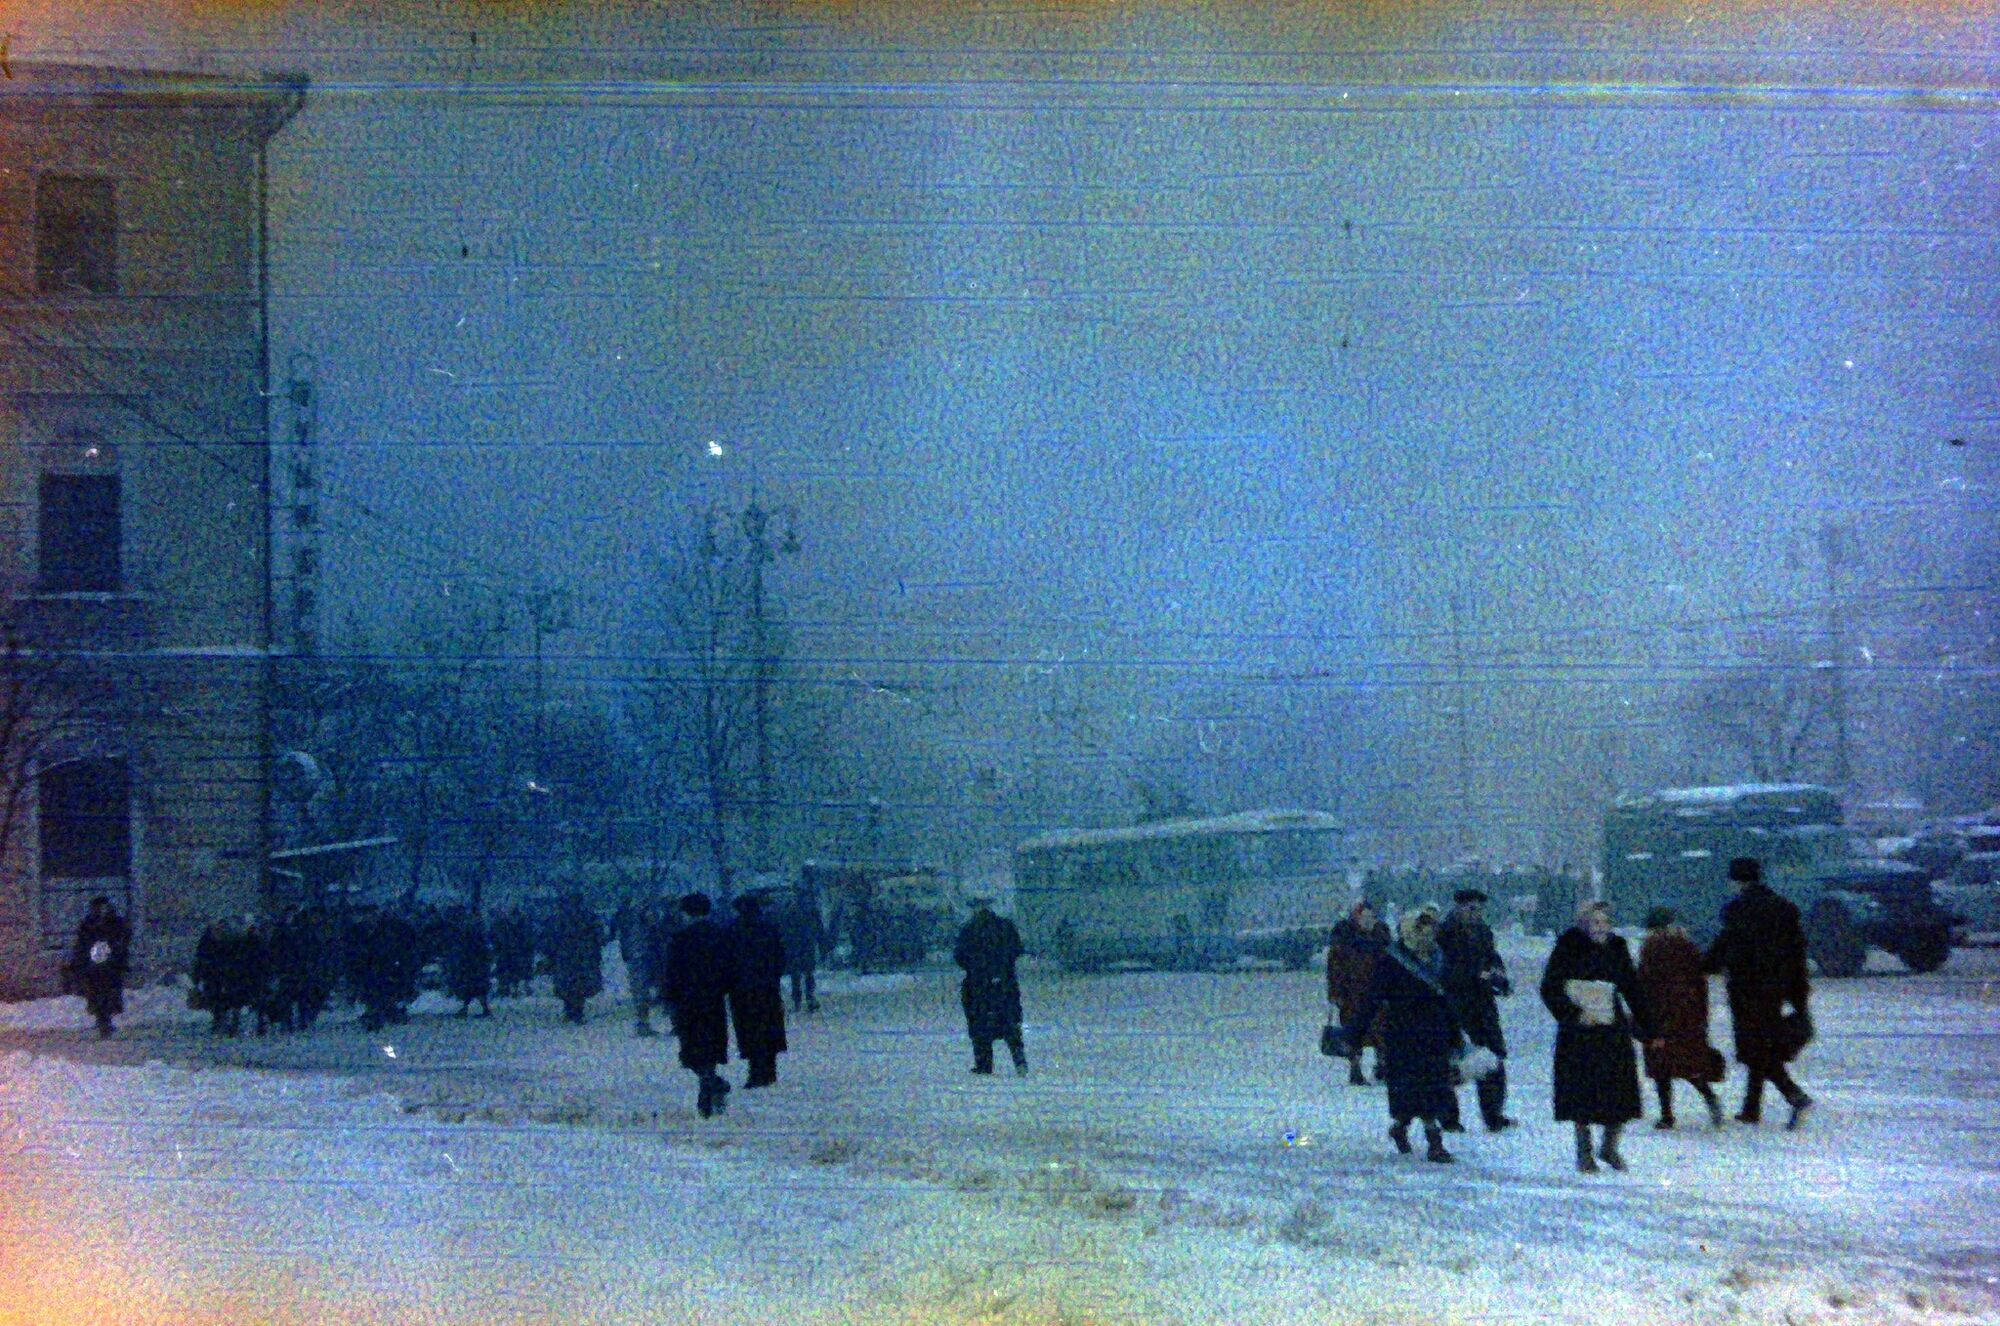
(1761,952)
(513,952)
(311,964)
(468,961)
(573,943)
(1476,979)
(756,991)
(700,970)
(1420,1034)
(97,962)
(1676,988)
(1353,948)
(632,925)
(805,939)
(229,973)
(987,948)
(1593,993)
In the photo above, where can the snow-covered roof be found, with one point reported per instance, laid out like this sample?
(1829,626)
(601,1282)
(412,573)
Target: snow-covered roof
(1726,794)
(1246,821)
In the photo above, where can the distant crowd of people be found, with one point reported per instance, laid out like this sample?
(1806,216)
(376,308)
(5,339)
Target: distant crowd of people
(709,976)
(1423,1002)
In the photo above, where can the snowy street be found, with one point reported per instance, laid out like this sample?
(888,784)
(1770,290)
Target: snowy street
(1178,1153)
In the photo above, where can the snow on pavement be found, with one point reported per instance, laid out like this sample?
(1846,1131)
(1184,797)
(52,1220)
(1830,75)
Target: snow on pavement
(1177,1155)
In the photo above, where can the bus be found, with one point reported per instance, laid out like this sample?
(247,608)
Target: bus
(1672,848)
(1183,893)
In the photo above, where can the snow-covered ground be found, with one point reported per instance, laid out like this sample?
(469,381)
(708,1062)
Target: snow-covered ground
(1179,1153)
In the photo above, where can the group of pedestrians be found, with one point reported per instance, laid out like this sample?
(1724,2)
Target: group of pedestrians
(1424,1002)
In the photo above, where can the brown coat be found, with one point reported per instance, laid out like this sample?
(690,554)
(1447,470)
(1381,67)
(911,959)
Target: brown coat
(1670,972)
(1351,957)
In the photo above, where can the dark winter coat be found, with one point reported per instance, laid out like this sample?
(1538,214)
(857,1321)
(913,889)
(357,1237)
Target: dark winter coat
(804,935)
(229,968)
(1474,977)
(102,983)
(573,942)
(988,947)
(1676,990)
(1351,957)
(468,958)
(756,998)
(700,971)
(1761,952)
(1420,1034)
(1596,1069)
(513,951)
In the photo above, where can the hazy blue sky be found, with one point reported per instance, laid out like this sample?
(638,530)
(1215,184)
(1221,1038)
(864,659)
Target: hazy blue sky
(1239,339)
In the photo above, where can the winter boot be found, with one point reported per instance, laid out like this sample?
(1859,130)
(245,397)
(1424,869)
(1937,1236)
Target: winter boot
(1800,1104)
(1586,1163)
(1399,1133)
(1665,1087)
(1608,1152)
(1436,1152)
(1714,1103)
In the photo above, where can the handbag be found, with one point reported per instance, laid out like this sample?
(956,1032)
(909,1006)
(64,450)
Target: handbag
(1334,1042)
(1795,1032)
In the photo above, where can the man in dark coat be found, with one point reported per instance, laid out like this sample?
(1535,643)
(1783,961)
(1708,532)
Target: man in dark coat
(1475,977)
(1761,952)
(756,991)
(573,942)
(513,952)
(468,961)
(97,961)
(1353,947)
(632,925)
(804,934)
(700,971)
(1420,1034)
(230,971)
(988,947)
(1677,994)
(1593,993)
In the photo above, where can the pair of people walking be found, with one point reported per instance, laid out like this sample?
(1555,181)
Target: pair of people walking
(719,975)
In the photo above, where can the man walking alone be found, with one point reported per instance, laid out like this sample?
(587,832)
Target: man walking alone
(1762,955)
(987,949)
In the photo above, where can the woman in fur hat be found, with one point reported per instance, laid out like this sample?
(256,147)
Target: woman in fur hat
(1420,1034)
(1593,991)
(1677,995)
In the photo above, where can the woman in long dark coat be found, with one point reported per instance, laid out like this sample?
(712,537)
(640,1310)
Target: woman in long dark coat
(1420,1034)
(756,995)
(699,971)
(1676,987)
(1592,989)
(574,945)
(1353,949)
(97,961)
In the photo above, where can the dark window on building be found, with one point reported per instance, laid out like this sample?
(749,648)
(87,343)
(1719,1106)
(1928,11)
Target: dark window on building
(79,533)
(86,824)
(76,235)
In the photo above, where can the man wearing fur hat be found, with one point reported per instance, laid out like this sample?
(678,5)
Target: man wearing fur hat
(1475,977)
(1762,955)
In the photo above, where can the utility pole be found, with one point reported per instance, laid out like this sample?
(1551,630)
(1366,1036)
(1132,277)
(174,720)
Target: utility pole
(304,506)
(757,538)
(1460,697)
(1836,541)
